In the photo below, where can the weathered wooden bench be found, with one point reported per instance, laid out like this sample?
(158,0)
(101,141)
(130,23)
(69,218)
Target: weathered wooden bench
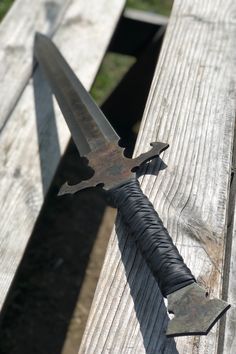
(33,139)
(191,106)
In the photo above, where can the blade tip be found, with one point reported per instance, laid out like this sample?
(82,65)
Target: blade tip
(40,38)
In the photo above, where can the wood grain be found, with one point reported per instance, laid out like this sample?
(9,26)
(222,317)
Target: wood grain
(228,331)
(16,42)
(229,340)
(35,134)
(191,106)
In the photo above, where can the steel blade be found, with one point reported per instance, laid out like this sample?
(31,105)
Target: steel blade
(89,127)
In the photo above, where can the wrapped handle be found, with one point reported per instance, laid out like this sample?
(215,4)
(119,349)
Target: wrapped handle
(152,238)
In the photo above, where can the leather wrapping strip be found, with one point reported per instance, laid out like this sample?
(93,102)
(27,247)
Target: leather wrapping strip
(152,237)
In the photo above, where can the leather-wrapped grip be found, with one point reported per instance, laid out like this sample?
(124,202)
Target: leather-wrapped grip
(152,238)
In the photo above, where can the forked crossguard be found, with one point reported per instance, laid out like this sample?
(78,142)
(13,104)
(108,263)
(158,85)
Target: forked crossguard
(95,139)
(111,167)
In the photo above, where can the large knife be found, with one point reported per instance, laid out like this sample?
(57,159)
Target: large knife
(194,312)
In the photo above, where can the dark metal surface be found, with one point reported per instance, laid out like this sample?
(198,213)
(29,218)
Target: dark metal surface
(195,313)
(88,125)
(112,168)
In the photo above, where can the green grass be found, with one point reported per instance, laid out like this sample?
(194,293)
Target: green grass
(162,7)
(113,68)
(4,7)
(159,6)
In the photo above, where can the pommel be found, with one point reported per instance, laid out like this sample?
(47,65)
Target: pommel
(195,313)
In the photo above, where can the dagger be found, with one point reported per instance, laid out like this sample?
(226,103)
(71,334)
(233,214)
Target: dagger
(194,311)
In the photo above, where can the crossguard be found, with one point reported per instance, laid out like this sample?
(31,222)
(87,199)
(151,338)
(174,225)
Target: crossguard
(111,167)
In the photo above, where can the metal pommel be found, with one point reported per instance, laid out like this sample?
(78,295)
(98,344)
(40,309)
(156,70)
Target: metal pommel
(194,312)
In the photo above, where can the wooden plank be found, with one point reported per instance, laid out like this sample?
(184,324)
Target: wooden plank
(36,135)
(135,31)
(144,16)
(16,43)
(228,341)
(81,311)
(191,106)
